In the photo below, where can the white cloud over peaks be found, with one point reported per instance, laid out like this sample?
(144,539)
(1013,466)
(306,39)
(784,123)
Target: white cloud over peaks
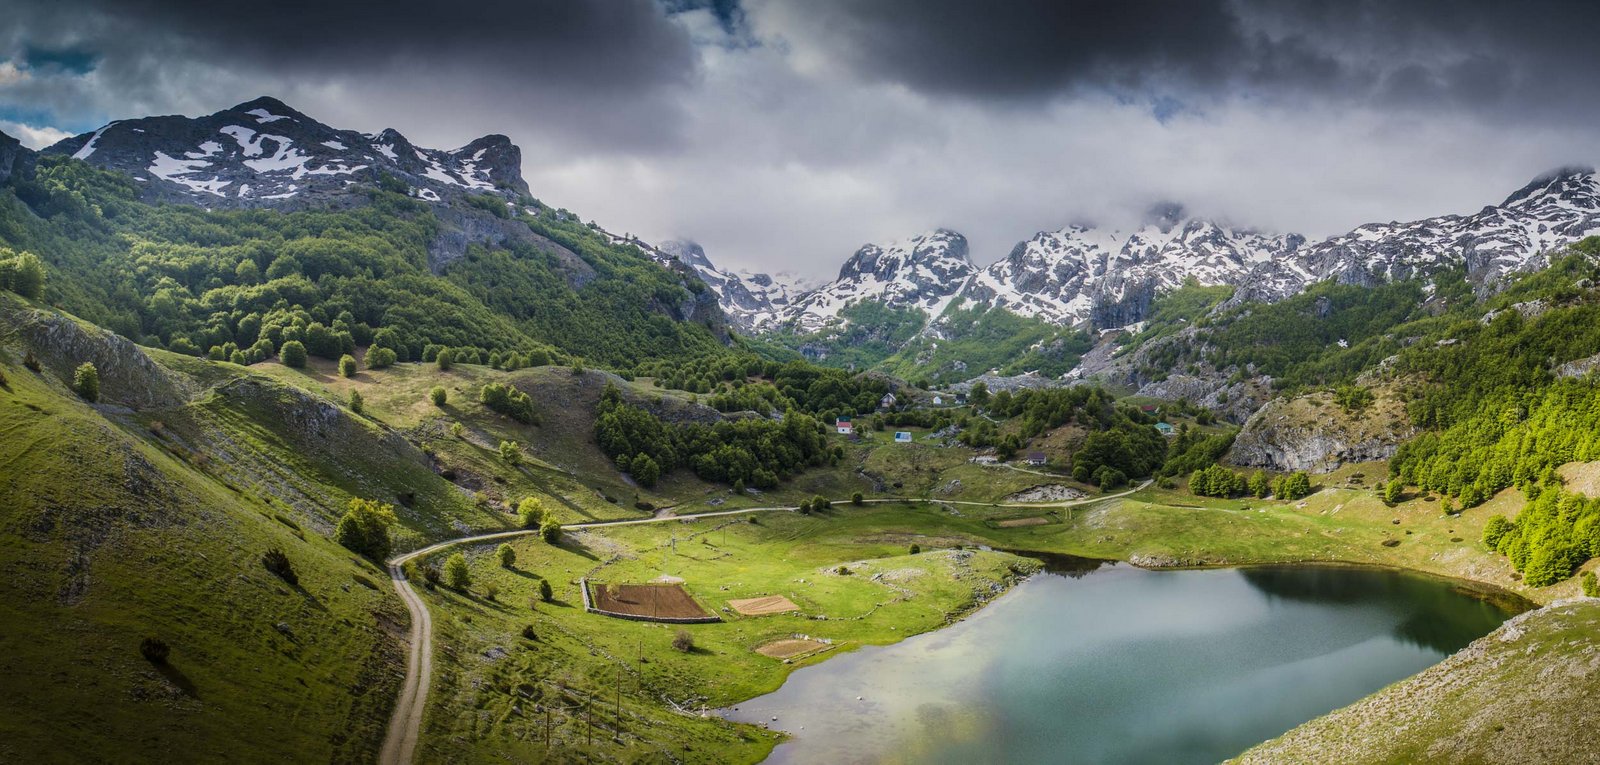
(31,136)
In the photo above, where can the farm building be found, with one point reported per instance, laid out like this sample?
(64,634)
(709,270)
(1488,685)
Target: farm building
(961,399)
(986,459)
(1166,429)
(844,426)
(938,400)
(1036,458)
(887,402)
(902,437)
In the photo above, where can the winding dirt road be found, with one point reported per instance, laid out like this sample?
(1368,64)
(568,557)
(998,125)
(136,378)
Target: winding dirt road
(400,742)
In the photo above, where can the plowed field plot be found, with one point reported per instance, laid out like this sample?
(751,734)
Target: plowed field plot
(654,601)
(769,604)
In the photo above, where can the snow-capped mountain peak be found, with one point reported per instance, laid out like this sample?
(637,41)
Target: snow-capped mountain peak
(925,272)
(265,153)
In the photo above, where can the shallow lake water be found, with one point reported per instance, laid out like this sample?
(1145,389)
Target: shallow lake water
(1114,664)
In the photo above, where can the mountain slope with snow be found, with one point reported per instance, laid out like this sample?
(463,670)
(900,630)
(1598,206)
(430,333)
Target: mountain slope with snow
(753,302)
(262,153)
(1092,277)
(924,272)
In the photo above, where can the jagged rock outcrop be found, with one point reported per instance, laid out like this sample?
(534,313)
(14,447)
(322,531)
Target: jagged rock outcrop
(16,160)
(1314,434)
(128,377)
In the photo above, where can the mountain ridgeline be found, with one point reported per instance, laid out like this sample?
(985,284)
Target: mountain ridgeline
(1099,279)
(245,228)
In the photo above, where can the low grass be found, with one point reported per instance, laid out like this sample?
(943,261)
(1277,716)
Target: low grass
(107,538)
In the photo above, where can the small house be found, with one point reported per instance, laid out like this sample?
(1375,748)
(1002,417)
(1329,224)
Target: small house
(1166,429)
(887,402)
(902,437)
(938,400)
(1149,408)
(844,426)
(986,459)
(1036,458)
(961,399)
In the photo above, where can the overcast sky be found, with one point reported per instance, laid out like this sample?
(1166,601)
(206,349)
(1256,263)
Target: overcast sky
(783,134)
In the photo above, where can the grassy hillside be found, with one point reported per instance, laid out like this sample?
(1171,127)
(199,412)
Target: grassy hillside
(108,538)
(1524,693)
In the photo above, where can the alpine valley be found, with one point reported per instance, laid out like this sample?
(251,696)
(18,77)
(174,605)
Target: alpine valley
(319,445)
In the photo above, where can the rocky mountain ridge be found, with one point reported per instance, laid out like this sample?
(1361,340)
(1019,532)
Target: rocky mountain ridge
(263,153)
(1098,278)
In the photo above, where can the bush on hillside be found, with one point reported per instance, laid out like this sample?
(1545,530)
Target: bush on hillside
(379,357)
(507,555)
(347,365)
(364,528)
(154,650)
(278,563)
(438,395)
(550,531)
(683,641)
(530,511)
(508,401)
(510,453)
(22,273)
(456,573)
(86,382)
(293,354)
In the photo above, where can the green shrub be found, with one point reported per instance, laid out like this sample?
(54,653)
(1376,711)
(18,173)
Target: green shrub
(507,555)
(364,528)
(546,593)
(445,360)
(22,273)
(379,357)
(511,453)
(456,573)
(530,511)
(278,563)
(357,403)
(857,499)
(1591,587)
(550,531)
(915,549)
(86,382)
(293,354)
(347,365)
(155,650)
(438,395)
(508,401)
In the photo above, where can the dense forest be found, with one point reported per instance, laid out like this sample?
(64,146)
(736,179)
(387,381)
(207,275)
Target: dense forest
(753,452)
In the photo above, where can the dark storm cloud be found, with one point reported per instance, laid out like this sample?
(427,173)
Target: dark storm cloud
(1473,54)
(608,70)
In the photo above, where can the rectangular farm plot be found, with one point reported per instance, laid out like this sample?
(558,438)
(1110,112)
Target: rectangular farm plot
(656,602)
(769,604)
(1016,522)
